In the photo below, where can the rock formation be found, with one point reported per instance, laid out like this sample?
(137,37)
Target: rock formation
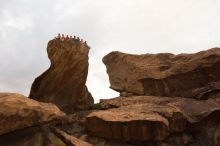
(68,139)
(154,114)
(26,122)
(64,82)
(183,75)
(148,118)
(19,112)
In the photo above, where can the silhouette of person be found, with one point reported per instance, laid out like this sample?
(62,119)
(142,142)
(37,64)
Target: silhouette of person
(59,37)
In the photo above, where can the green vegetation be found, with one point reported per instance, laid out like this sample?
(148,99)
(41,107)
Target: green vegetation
(97,106)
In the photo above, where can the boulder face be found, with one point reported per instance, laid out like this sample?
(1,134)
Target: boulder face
(19,112)
(64,82)
(68,139)
(148,118)
(183,75)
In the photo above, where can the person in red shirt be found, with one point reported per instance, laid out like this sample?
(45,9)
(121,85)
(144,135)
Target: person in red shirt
(78,39)
(67,38)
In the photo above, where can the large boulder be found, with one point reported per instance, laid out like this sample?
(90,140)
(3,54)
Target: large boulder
(146,118)
(184,75)
(64,82)
(19,112)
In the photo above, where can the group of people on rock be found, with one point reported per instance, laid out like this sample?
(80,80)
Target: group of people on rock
(69,38)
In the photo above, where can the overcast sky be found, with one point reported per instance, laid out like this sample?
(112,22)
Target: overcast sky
(132,26)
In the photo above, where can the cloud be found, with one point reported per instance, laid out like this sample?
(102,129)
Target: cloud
(143,26)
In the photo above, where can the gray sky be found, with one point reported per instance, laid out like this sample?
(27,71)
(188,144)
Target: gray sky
(132,26)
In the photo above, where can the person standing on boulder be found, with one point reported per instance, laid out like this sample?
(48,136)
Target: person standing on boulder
(67,38)
(74,39)
(62,38)
(78,39)
(59,37)
(70,38)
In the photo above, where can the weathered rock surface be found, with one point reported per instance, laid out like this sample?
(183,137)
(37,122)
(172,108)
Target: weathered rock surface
(64,82)
(33,136)
(74,126)
(25,137)
(183,75)
(18,112)
(147,118)
(68,139)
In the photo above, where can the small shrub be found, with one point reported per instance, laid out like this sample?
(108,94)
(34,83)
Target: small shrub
(97,106)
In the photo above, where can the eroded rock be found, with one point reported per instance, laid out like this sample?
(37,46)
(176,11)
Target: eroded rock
(64,82)
(32,136)
(147,118)
(69,140)
(184,75)
(18,112)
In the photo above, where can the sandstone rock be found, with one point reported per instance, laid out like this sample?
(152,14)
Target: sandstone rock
(32,136)
(180,139)
(209,137)
(145,118)
(213,91)
(75,126)
(64,82)
(25,137)
(68,139)
(18,112)
(184,75)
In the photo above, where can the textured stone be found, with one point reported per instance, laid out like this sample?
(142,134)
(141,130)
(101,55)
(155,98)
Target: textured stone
(18,112)
(184,75)
(144,118)
(26,137)
(64,82)
(69,140)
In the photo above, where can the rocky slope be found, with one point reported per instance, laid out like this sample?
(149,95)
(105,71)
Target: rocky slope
(64,82)
(184,75)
